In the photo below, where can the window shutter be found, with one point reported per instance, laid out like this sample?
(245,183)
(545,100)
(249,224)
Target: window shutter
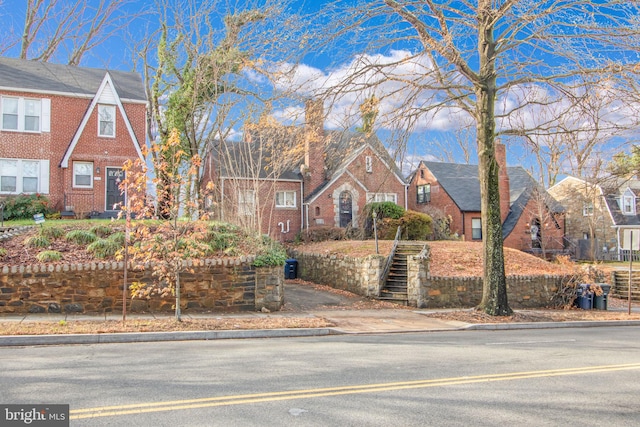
(44,176)
(46,118)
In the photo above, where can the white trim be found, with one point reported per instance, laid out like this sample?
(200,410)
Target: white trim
(285,206)
(106,81)
(113,109)
(73,175)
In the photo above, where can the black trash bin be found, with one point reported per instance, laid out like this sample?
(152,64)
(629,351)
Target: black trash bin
(585,297)
(600,301)
(291,268)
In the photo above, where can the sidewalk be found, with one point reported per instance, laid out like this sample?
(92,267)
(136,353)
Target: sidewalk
(345,321)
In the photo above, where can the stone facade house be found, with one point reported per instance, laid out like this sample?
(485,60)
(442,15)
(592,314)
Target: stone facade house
(532,220)
(321,179)
(602,216)
(66,131)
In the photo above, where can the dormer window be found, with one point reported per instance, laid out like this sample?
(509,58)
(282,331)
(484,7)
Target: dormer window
(628,203)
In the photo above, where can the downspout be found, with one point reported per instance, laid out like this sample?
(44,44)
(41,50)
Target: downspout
(221,198)
(406,197)
(302,205)
(619,244)
(464,237)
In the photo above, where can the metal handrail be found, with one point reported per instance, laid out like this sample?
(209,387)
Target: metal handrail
(387,265)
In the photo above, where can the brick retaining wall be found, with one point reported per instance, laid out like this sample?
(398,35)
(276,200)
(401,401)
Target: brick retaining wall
(226,284)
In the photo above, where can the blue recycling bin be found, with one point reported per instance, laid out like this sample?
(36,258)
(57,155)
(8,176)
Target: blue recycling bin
(585,297)
(291,268)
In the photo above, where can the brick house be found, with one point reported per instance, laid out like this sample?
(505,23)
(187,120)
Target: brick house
(66,132)
(532,220)
(602,216)
(328,180)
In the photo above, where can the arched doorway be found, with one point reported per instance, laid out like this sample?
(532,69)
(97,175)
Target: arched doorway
(346,209)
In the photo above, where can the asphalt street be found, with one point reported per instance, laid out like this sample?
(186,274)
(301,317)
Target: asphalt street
(575,376)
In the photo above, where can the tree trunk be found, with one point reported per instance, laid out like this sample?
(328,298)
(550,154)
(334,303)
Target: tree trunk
(494,295)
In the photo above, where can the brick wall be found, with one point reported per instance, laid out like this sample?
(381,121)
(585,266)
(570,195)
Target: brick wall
(214,285)
(66,115)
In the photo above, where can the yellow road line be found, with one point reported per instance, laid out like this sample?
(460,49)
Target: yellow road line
(140,408)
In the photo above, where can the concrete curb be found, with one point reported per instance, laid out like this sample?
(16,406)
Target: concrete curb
(137,337)
(549,325)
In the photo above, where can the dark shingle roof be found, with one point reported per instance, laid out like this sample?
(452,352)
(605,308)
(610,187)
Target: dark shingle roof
(462,184)
(48,77)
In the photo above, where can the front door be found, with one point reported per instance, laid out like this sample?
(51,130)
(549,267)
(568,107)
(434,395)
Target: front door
(346,209)
(115,197)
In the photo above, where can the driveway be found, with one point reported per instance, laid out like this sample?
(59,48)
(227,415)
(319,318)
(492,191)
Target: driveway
(309,297)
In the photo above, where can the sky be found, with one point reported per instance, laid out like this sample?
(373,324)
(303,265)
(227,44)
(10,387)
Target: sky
(444,133)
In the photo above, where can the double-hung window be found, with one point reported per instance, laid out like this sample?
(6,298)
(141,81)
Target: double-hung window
(107,121)
(285,199)
(424,193)
(382,197)
(25,114)
(476,229)
(23,176)
(83,174)
(246,202)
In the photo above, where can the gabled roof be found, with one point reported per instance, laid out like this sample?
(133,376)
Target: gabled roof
(45,77)
(106,88)
(612,188)
(248,160)
(462,184)
(342,149)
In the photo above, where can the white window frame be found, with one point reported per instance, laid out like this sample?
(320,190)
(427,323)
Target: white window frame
(75,174)
(382,197)
(426,194)
(289,198)
(628,201)
(368,164)
(39,167)
(587,209)
(112,109)
(44,109)
(246,202)
(476,224)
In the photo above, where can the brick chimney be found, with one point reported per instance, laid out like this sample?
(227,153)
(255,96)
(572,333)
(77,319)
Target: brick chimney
(313,170)
(503,180)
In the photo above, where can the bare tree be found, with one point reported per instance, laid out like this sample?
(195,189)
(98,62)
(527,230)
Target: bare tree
(203,77)
(68,30)
(488,60)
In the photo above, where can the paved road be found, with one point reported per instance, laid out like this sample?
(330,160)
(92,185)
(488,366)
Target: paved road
(553,377)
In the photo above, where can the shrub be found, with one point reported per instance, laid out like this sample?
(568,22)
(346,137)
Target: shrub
(104,248)
(81,237)
(3,252)
(101,230)
(49,256)
(118,237)
(322,233)
(416,225)
(37,241)
(384,210)
(273,255)
(25,206)
(52,232)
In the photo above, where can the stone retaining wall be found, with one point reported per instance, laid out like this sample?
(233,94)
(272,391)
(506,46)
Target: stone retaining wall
(361,276)
(210,285)
(358,275)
